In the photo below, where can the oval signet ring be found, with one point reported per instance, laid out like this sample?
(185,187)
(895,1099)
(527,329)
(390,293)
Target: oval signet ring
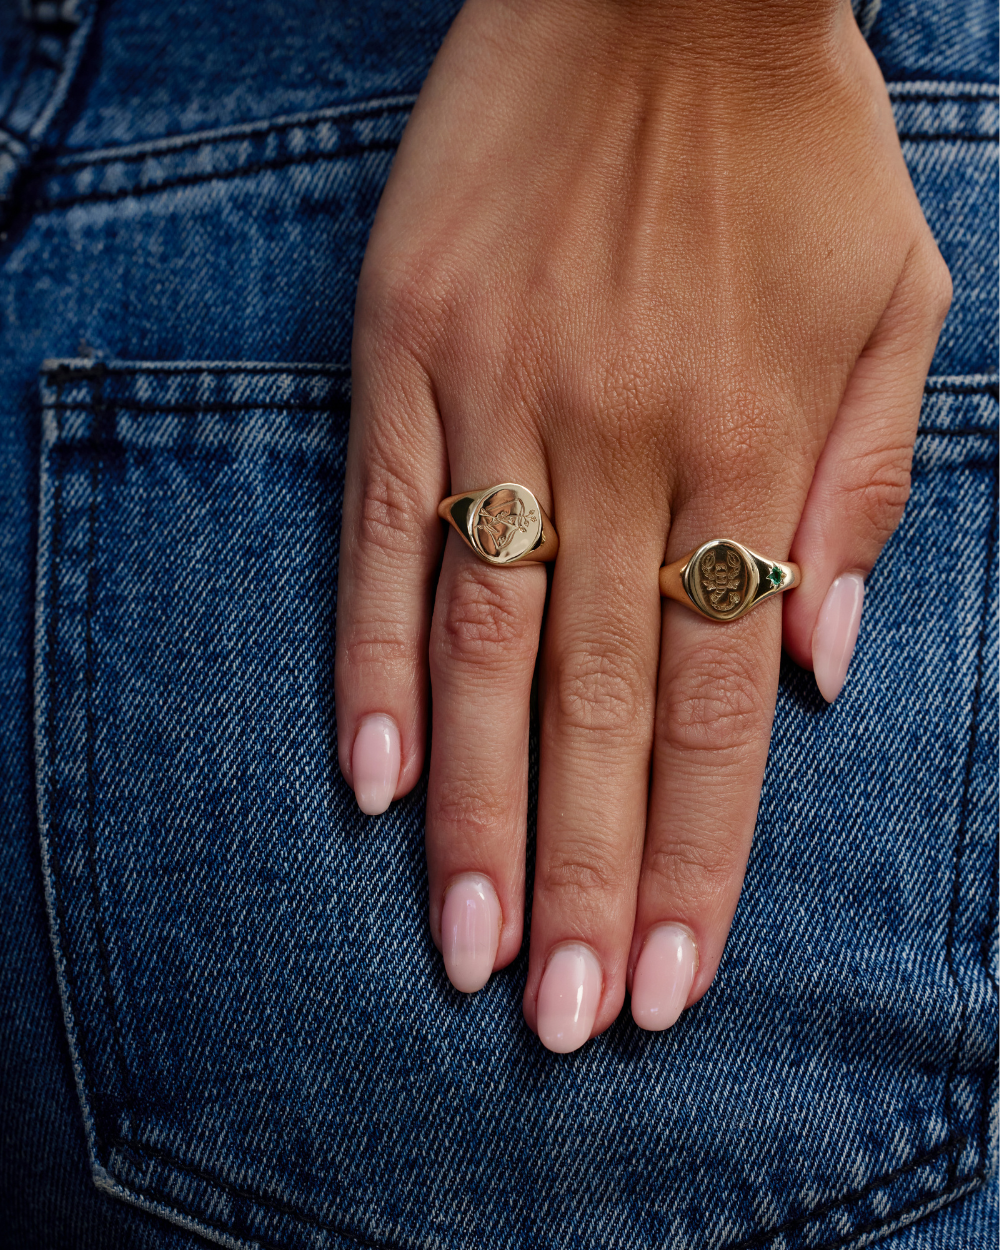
(502,524)
(723,580)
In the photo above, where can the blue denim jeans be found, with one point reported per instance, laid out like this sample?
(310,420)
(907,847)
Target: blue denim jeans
(201,932)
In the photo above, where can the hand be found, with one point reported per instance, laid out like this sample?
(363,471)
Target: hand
(663,264)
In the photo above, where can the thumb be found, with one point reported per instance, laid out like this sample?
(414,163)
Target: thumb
(862,479)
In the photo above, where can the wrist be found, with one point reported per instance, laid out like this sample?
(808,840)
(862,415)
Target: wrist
(724,54)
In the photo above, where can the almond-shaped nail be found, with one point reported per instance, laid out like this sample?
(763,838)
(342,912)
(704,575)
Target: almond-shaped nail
(568,998)
(470,932)
(662,979)
(836,633)
(375,763)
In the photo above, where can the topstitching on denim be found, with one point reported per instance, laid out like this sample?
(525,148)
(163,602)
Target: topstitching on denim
(962,112)
(968,384)
(329,134)
(942,89)
(168,1204)
(340,113)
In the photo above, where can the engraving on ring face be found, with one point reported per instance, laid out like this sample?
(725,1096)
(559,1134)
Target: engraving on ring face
(721,581)
(507,525)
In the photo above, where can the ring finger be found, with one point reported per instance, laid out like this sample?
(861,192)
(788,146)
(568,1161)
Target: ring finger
(717,689)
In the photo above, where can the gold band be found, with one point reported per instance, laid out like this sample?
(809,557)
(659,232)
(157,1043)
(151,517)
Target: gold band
(723,580)
(502,524)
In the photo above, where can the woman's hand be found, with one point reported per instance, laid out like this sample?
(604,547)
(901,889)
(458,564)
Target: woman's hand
(661,263)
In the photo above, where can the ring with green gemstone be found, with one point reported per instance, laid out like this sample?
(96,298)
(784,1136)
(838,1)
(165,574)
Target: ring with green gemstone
(723,580)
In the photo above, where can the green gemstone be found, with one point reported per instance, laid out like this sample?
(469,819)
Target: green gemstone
(774,577)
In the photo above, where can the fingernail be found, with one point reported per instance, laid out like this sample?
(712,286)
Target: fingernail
(568,998)
(375,763)
(836,633)
(662,978)
(470,932)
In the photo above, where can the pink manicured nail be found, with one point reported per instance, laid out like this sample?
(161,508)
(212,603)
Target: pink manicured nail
(375,763)
(470,932)
(662,978)
(568,998)
(836,633)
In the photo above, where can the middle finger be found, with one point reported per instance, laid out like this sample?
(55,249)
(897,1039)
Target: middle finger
(599,678)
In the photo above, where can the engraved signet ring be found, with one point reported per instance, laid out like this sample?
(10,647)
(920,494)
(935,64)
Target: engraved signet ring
(502,524)
(723,580)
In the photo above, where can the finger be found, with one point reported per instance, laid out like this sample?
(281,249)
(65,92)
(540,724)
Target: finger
(597,722)
(862,480)
(717,688)
(389,549)
(484,639)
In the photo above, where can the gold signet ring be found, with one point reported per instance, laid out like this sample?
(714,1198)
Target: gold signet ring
(503,524)
(723,580)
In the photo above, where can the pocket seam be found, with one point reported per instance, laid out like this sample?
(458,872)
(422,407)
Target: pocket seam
(328,134)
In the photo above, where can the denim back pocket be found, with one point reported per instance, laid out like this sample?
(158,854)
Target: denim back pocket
(265,1046)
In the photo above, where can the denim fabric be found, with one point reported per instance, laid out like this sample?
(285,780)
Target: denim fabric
(39,58)
(209,1043)
(163,70)
(947,43)
(972,1223)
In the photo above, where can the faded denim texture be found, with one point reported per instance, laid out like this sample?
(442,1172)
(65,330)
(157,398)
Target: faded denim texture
(209,1043)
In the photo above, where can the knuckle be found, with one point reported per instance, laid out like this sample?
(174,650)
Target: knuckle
(714,704)
(406,300)
(602,691)
(391,518)
(580,868)
(693,868)
(877,497)
(377,643)
(468,812)
(483,622)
